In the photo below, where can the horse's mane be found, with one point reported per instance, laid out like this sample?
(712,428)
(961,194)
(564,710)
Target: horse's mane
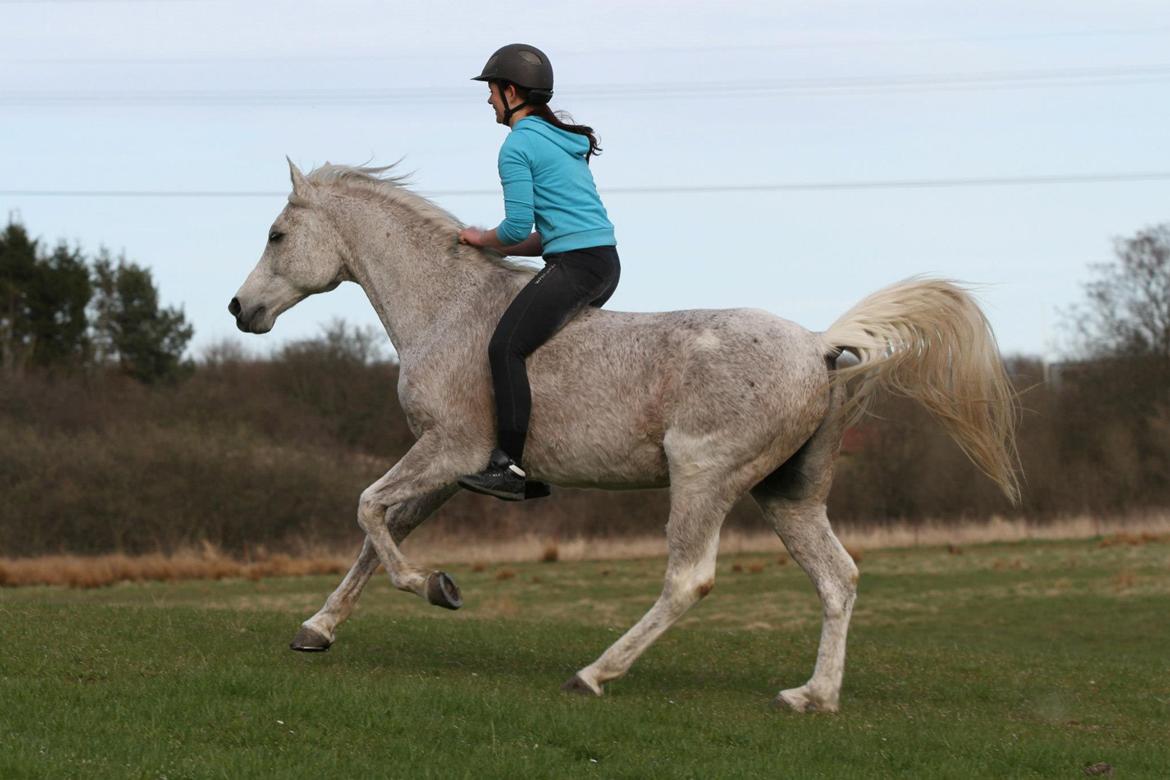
(387,183)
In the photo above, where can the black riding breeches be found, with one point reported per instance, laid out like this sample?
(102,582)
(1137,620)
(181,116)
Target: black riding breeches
(568,283)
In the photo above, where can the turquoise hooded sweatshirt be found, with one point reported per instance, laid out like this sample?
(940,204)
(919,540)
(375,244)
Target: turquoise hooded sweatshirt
(546,180)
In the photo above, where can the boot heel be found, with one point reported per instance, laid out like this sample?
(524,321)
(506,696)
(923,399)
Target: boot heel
(536,489)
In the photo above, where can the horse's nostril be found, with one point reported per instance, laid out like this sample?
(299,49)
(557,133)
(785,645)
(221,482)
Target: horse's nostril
(234,307)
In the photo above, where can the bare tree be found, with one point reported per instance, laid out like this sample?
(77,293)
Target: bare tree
(1127,312)
(1114,402)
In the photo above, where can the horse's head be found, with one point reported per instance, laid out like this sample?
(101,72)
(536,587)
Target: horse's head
(304,256)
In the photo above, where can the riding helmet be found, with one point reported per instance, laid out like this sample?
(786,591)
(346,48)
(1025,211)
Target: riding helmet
(523,65)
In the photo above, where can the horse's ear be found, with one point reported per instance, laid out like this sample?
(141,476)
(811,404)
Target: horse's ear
(300,184)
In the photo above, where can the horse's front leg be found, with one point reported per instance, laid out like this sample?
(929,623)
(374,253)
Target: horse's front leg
(432,465)
(319,632)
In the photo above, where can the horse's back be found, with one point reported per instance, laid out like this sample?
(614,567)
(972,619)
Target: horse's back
(608,387)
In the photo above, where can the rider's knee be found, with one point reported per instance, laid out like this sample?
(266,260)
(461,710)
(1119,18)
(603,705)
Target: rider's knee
(499,347)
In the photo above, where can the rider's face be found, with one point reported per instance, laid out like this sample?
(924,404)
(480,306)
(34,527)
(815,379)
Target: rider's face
(497,102)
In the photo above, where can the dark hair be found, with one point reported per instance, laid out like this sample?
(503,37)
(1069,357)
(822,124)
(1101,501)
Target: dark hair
(560,119)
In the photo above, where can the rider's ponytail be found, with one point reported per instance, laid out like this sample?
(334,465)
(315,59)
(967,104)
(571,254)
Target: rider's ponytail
(559,119)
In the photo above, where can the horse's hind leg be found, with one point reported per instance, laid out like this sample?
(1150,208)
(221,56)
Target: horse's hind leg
(696,514)
(804,527)
(793,501)
(318,632)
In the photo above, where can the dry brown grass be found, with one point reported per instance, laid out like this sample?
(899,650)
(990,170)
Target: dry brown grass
(1132,539)
(1124,580)
(78,571)
(431,544)
(210,563)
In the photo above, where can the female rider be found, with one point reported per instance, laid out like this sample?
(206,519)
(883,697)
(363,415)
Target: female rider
(544,170)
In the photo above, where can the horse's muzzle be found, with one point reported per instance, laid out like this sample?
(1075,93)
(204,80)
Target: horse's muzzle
(246,320)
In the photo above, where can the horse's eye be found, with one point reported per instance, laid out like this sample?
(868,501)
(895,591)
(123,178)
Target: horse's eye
(275,236)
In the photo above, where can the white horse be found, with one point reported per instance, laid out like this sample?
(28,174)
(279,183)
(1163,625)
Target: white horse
(710,403)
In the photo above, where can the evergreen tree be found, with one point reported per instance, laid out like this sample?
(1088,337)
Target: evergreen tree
(57,312)
(42,303)
(130,327)
(18,270)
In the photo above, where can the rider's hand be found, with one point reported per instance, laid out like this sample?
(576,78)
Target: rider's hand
(471,235)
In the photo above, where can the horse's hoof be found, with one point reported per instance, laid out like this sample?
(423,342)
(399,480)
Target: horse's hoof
(576,684)
(442,591)
(799,700)
(309,640)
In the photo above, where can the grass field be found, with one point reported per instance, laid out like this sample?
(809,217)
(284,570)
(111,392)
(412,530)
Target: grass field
(1003,660)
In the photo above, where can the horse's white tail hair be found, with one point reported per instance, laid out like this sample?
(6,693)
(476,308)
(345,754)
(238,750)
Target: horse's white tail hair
(927,339)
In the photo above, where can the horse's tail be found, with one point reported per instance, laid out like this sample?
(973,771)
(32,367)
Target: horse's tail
(927,339)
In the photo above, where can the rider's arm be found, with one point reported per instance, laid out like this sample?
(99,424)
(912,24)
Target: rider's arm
(513,236)
(519,214)
(529,247)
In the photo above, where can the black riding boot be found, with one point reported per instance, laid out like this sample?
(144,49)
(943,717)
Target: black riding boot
(504,479)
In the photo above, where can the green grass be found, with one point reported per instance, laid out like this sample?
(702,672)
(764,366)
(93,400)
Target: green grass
(1004,661)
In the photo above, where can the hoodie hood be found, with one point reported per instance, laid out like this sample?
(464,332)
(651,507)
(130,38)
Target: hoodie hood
(573,143)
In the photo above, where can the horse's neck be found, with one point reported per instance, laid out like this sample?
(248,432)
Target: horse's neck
(419,281)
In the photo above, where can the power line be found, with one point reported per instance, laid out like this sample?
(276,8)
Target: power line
(199,59)
(878,184)
(97,2)
(432,54)
(652,91)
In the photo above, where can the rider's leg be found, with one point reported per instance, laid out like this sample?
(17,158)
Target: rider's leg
(567,284)
(570,281)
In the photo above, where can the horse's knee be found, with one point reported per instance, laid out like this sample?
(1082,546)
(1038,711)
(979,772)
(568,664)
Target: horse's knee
(836,605)
(371,511)
(702,579)
(847,572)
(684,589)
(703,588)
(853,574)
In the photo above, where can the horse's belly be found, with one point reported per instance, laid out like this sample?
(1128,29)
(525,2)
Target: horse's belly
(601,456)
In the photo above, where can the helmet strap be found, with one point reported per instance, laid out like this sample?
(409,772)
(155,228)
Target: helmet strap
(510,110)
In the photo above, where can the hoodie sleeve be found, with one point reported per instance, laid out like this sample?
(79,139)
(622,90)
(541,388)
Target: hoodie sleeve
(516,179)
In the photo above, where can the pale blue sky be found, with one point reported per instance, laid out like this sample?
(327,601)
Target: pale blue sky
(209,96)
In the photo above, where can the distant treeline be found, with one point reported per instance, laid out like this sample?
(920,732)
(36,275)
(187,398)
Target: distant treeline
(243,451)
